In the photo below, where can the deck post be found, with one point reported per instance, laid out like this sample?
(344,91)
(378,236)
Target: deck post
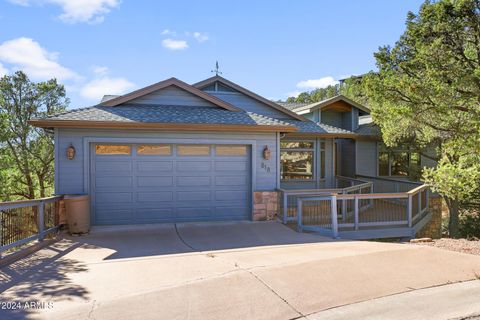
(427,199)
(299,215)
(409,211)
(333,204)
(285,207)
(419,202)
(41,220)
(356,212)
(344,208)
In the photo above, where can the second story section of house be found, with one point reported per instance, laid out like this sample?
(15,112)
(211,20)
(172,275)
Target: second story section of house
(339,111)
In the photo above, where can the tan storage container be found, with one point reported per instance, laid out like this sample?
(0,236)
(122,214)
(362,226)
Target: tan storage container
(78,213)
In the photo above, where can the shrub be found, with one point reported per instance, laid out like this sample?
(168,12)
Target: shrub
(469,226)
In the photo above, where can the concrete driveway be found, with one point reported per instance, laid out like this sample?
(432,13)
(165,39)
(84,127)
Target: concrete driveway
(241,270)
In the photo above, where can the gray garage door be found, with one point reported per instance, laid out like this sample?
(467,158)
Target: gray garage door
(147,183)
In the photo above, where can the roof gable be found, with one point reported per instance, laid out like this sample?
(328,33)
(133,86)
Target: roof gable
(339,101)
(130,97)
(207,83)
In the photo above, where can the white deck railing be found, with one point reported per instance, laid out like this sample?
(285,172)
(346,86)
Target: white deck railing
(343,185)
(369,211)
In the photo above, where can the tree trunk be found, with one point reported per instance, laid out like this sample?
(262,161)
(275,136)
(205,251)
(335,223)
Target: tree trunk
(453,208)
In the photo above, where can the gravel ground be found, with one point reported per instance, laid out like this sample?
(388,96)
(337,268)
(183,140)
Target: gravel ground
(460,245)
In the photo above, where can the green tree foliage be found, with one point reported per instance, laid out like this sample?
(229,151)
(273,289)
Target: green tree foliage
(427,91)
(315,95)
(352,88)
(26,152)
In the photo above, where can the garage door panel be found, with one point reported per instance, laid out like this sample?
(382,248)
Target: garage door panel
(113,182)
(154,166)
(113,168)
(193,181)
(194,195)
(194,166)
(238,166)
(231,181)
(117,197)
(155,196)
(154,181)
(166,188)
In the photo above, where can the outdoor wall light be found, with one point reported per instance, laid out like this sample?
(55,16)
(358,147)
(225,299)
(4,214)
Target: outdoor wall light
(70,152)
(266,153)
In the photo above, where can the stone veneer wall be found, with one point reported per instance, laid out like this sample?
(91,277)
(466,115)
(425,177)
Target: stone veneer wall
(433,229)
(265,205)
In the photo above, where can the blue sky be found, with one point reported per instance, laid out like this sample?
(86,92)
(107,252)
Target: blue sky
(274,48)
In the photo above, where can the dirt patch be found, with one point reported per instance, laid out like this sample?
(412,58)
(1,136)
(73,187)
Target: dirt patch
(459,245)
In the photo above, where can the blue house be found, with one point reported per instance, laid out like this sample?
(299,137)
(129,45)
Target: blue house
(175,152)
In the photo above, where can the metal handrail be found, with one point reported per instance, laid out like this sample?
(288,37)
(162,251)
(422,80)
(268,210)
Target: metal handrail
(411,216)
(39,210)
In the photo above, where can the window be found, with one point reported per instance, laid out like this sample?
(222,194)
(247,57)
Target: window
(225,150)
(104,149)
(297,160)
(193,150)
(399,162)
(154,149)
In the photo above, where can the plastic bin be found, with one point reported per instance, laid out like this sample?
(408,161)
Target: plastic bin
(78,213)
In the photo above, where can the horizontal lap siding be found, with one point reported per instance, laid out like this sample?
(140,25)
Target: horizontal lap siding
(70,173)
(172,96)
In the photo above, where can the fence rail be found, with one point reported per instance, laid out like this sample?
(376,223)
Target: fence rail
(27,220)
(368,210)
(386,185)
(343,185)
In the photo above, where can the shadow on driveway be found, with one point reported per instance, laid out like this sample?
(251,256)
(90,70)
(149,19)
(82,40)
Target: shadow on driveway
(154,240)
(41,278)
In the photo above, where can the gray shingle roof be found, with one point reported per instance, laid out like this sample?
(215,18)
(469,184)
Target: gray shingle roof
(166,114)
(188,115)
(369,129)
(318,128)
(292,105)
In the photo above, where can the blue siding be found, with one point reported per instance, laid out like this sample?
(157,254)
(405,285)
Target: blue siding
(173,96)
(347,163)
(366,158)
(355,118)
(332,118)
(71,175)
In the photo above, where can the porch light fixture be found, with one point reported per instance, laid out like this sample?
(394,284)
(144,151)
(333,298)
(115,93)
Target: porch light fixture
(70,152)
(266,153)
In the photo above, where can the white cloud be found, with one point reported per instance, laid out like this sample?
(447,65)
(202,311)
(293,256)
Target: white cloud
(168,32)
(200,37)
(3,70)
(91,11)
(97,88)
(100,70)
(174,44)
(27,55)
(317,83)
